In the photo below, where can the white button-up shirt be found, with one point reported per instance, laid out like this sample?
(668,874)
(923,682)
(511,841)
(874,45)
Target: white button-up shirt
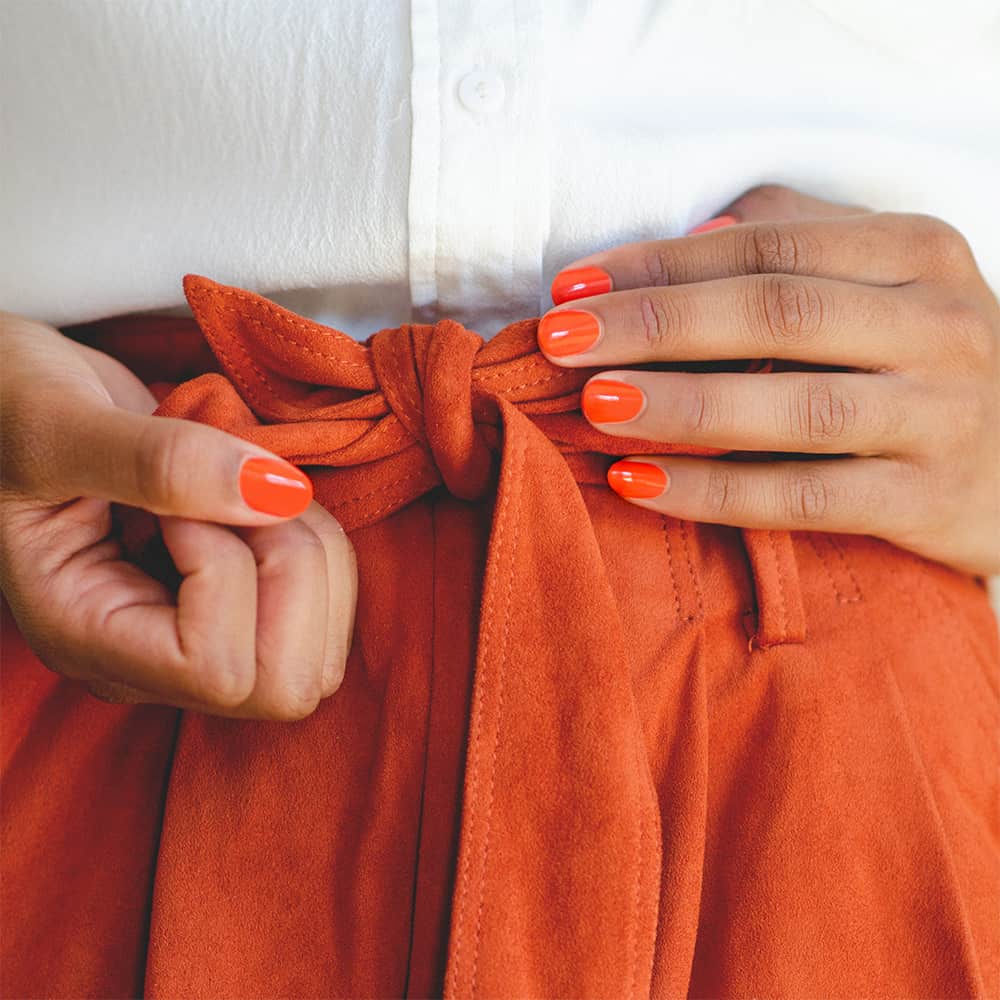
(367,162)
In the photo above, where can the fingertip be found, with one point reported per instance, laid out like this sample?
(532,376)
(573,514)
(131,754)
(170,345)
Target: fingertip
(580,282)
(719,222)
(273,486)
(565,334)
(632,479)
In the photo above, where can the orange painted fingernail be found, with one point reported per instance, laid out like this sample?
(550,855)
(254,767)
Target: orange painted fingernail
(637,480)
(718,222)
(567,331)
(271,486)
(605,401)
(579,282)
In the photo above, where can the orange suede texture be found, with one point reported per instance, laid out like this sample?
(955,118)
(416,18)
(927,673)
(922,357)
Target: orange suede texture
(580,750)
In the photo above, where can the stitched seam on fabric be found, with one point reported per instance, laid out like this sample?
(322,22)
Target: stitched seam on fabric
(835,545)
(842,598)
(433,681)
(826,569)
(526,385)
(250,362)
(781,584)
(406,498)
(251,393)
(638,888)
(501,369)
(501,675)
(274,332)
(689,559)
(416,478)
(665,524)
(488,375)
(265,306)
(487,640)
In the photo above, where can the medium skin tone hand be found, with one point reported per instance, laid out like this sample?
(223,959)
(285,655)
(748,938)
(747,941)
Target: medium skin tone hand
(901,441)
(261,624)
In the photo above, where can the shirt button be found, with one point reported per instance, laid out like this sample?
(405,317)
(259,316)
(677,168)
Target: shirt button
(481,91)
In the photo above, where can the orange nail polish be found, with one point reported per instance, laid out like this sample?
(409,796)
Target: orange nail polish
(718,222)
(605,401)
(567,331)
(274,487)
(637,480)
(579,282)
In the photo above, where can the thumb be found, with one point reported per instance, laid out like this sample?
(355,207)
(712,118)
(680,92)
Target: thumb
(164,465)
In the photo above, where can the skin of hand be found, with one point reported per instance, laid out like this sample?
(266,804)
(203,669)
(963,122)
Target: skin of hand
(891,424)
(261,624)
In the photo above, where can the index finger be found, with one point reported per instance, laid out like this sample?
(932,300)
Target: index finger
(872,249)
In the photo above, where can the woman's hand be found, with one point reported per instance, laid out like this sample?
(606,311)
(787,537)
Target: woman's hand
(903,437)
(261,624)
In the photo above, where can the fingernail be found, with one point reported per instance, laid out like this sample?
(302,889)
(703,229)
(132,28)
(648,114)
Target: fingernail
(605,401)
(567,331)
(637,480)
(718,222)
(271,486)
(579,282)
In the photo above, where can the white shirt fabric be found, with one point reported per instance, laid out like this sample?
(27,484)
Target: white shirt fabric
(368,162)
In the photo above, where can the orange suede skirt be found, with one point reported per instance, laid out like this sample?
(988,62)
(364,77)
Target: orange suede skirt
(581,749)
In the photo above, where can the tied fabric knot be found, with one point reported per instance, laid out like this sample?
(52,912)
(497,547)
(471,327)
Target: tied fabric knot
(382,422)
(425,374)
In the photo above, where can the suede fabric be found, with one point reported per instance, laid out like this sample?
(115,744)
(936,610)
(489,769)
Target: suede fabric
(581,749)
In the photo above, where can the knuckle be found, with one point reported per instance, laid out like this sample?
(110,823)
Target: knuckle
(706,411)
(291,551)
(787,310)
(660,320)
(723,492)
(223,683)
(894,416)
(295,701)
(822,415)
(939,243)
(969,414)
(655,267)
(774,200)
(303,544)
(968,329)
(774,249)
(808,496)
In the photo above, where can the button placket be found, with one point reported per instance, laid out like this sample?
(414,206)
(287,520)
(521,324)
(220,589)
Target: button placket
(477,204)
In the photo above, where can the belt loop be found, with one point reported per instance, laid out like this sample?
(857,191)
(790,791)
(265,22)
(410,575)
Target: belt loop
(780,613)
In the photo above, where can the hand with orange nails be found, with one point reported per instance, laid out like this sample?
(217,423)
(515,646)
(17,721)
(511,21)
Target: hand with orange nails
(881,415)
(261,623)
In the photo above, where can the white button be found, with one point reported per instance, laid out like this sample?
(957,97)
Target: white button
(481,91)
